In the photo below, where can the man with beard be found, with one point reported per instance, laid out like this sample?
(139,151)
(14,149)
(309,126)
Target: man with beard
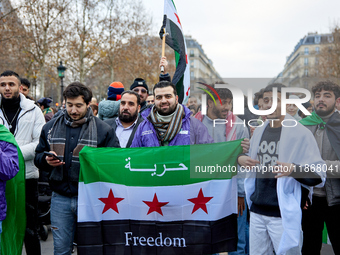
(324,123)
(277,151)
(169,123)
(220,123)
(65,136)
(128,121)
(24,120)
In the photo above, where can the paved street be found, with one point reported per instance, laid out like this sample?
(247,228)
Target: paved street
(47,246)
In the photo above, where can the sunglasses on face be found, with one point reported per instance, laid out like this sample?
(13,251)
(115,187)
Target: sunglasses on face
(141,90)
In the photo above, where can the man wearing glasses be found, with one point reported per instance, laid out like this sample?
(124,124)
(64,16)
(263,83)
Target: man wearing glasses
(139,86)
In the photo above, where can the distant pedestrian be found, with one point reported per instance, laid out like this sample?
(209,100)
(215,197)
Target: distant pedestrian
(109,108)
(44,104)
(141,88)
(25,87)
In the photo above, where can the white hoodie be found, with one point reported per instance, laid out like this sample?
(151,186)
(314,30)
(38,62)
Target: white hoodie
(27,132)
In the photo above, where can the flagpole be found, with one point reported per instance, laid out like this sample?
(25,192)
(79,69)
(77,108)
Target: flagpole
(163,49)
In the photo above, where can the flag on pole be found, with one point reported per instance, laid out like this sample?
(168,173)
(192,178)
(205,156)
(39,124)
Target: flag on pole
(175,39)
(14,226)
(149,201)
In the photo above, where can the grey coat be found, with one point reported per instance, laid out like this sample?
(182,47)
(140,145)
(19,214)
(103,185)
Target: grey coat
(332,185)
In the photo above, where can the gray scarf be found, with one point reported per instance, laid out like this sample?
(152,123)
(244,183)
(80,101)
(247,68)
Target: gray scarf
(166,131)
(57,139)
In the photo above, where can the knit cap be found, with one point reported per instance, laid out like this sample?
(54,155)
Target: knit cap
(139,82)
(115,90)
(45,101)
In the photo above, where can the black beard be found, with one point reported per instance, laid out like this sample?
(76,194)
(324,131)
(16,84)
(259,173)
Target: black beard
(127,118)
(171,110)
(10,101)
(326,112)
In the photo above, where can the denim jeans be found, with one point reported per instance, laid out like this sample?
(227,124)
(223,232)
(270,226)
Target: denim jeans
(243,234)
(63,222)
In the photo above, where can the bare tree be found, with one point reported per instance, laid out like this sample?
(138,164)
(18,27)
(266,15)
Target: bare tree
(39,18)
(329,57)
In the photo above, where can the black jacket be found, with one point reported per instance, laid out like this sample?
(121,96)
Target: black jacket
(106,138)
(113,124)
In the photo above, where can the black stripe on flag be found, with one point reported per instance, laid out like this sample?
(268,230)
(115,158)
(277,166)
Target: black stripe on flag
(151,237)
(175,40)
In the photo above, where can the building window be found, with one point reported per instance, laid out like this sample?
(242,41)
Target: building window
(306,72)
(316,61)
(192,53)
(306,51)
(317,49)
(306,61)
(192,63)
(317,39)
(192,74)
(330,39)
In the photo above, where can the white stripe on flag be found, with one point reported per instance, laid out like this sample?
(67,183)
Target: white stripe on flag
(169,10)
(223,203)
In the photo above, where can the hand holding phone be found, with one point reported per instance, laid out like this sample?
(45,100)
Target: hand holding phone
(50,154)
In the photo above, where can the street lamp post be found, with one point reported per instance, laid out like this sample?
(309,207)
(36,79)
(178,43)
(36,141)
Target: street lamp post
(61,74)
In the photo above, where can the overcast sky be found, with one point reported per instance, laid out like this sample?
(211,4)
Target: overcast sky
(247,38)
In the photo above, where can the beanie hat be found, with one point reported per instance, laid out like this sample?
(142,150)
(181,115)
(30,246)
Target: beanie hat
(115,90)
(45,101)
(307,104)
(139,82)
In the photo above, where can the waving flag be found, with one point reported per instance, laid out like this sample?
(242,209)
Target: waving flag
(132,202)
(175,39)
(14,225)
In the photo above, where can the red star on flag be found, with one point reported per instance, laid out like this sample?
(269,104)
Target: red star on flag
(155,206)
(200,202)
(111,202)
(179,22)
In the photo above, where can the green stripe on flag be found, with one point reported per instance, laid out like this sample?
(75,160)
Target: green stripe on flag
(14,226)
(159,166)
(324,234)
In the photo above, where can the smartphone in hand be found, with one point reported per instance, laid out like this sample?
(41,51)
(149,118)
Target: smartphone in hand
(50,154)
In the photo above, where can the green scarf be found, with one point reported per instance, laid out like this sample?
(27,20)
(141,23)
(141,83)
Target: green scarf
(14,225)
(47,110)
(332,128)
(312,120)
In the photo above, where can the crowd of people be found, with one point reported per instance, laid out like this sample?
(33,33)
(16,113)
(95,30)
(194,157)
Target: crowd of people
(276,215)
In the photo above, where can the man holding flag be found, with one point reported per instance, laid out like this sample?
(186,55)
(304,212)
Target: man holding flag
(172,34)
(324,123)
(168,122)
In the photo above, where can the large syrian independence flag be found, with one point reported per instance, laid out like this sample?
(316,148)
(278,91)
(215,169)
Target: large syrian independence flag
(144,201)
(175,39)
